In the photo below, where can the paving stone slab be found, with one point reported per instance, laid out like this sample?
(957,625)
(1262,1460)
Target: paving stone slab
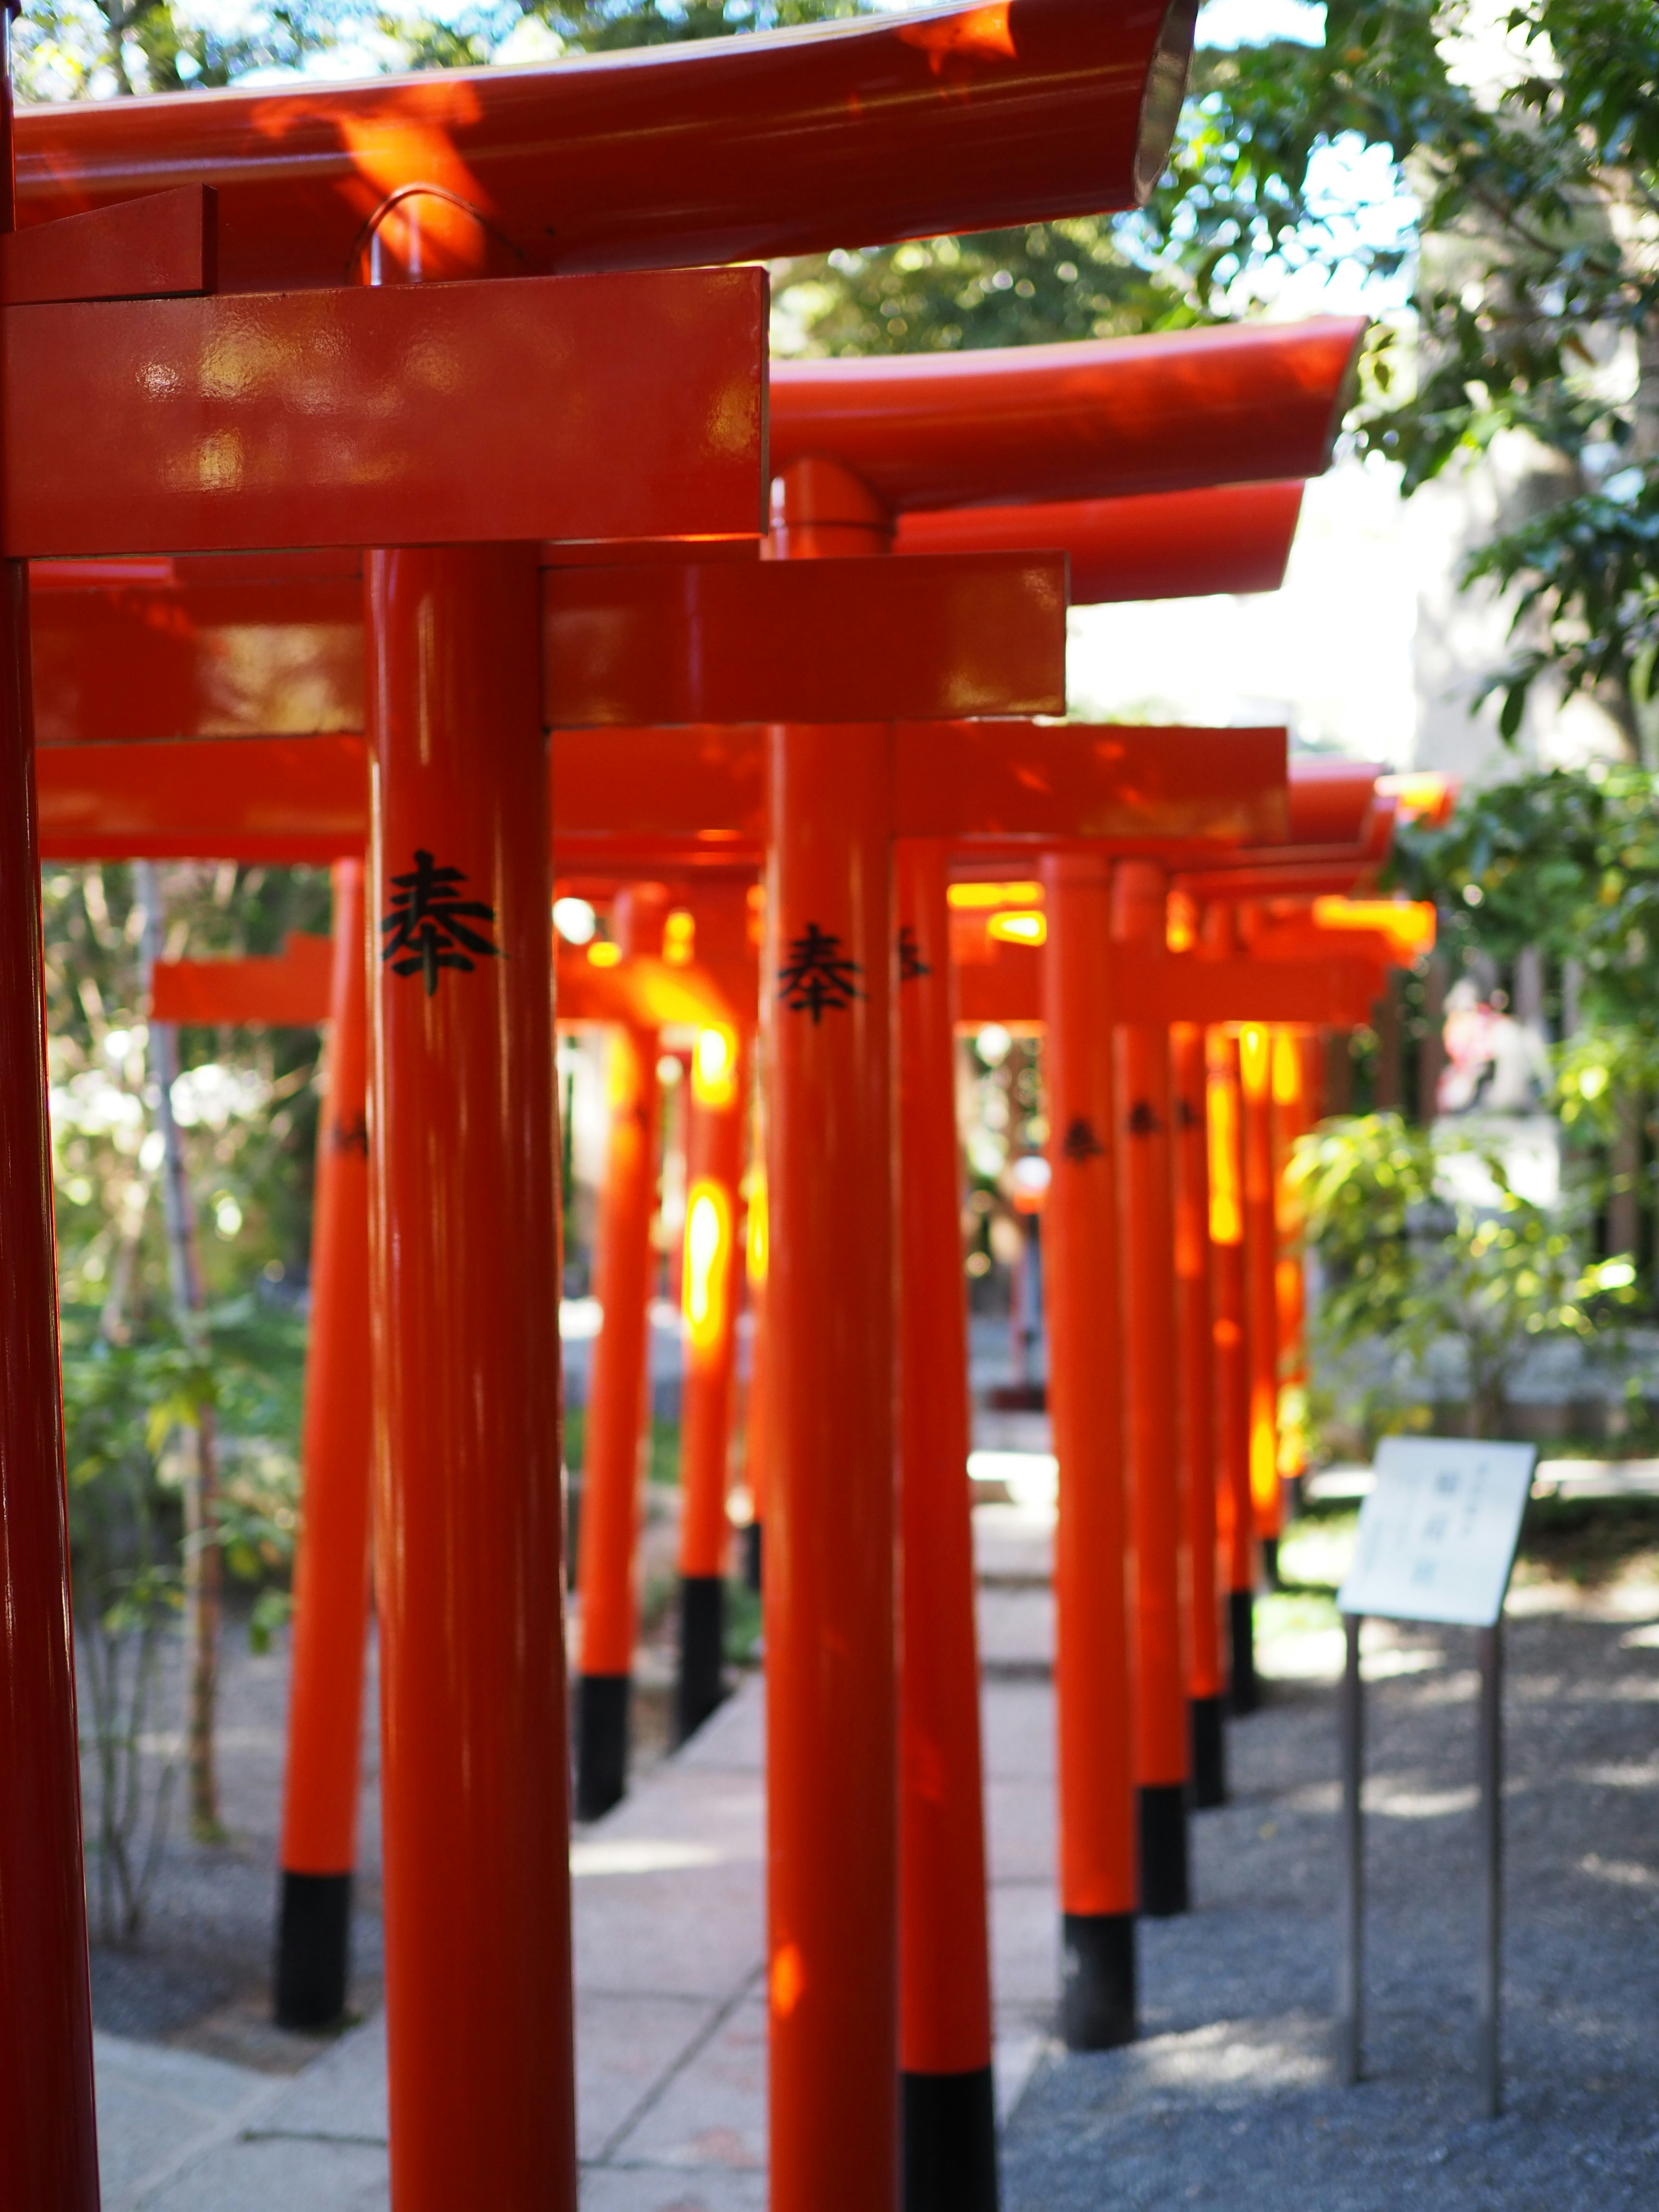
(712,2113)
(284,2175)
(158,2107)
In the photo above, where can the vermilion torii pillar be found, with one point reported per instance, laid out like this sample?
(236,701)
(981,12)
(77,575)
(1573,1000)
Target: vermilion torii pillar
(715,1138)
(332,401)
(332,1565)
(1099,1876)
(1196,1353)
(318,1852)
(618,1388)
(949,2112)
(1147,1306)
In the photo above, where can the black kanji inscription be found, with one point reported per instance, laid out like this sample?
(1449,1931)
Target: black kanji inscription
(429,925)
(352,1136)
(911,964)
(1080,1143)
(1143,1121)
(817,978)
(1188,1116)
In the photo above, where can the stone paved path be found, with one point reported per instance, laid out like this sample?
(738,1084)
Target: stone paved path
(1229,2098)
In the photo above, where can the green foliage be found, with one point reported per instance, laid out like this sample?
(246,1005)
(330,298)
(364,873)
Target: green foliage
(127,1587)
(1564,859)
(1044,282)
(1586,575)
(251,1116)
(1410,1258)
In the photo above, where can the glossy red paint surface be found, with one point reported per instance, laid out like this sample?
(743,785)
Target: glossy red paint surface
(945,1985)
(645,993)
(46,2116)
(716,1141)
(1235,1518)
(465,1244)
(1005,784)
(1161,545)
(164,244)
(830,1593)
(1196,1359)
(612,1465)
(224,645)
(1331,800)
(301,985)
(331,1569)
(1098,1873)
(273,799)
(831,1511)
(724,150)
(696,790)
(1332,992)
(410,414)
(1095,420)
(1261,1262)
(1145,1202)
(731,642)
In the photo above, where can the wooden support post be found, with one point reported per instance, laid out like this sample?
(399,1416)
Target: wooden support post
(465,1258)
(331,1569)
(1261,1286)
(830,1656)
(1097,1872)
(755,1444)
(618,1388)
(46,2008)
(708,1288)
(1351,1907)
(1195,1351)
(1146,1212)
(945,1978)
(1235,1517)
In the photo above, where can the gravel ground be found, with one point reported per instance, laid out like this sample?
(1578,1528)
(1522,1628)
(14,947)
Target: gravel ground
(1230,2098)
(200,1976)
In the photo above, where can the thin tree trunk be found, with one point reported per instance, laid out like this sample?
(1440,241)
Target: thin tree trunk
(203,1561)
(1431,1054)
(1388,1093)
(1625,1197)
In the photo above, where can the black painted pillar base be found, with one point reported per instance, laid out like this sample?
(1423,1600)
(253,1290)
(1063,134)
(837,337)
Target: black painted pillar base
(751,1556)
(1290,1497)
(949,2133)
(601,1742)
(1098,1980)
(702,1685)
(1209,1754)
(313,1949)
(1241,1622)
(1163,1887)
(1270,1562)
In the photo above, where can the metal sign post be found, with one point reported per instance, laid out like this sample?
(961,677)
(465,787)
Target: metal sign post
(1436,1543)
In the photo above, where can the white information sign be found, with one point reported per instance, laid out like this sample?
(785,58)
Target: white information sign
(1438,1531)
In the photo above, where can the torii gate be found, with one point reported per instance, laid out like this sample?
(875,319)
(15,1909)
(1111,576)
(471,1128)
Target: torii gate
(644,593)
(455,637)
(333,388)
(1012,784)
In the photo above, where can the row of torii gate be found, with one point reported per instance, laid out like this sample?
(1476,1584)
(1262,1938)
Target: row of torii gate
(570,476)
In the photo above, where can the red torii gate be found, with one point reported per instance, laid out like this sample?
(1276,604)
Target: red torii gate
(645,592)
(462,2115)
(194,464)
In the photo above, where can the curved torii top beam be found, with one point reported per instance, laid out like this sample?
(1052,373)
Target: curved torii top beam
(1093,419)
(1162,545)
(777,142)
